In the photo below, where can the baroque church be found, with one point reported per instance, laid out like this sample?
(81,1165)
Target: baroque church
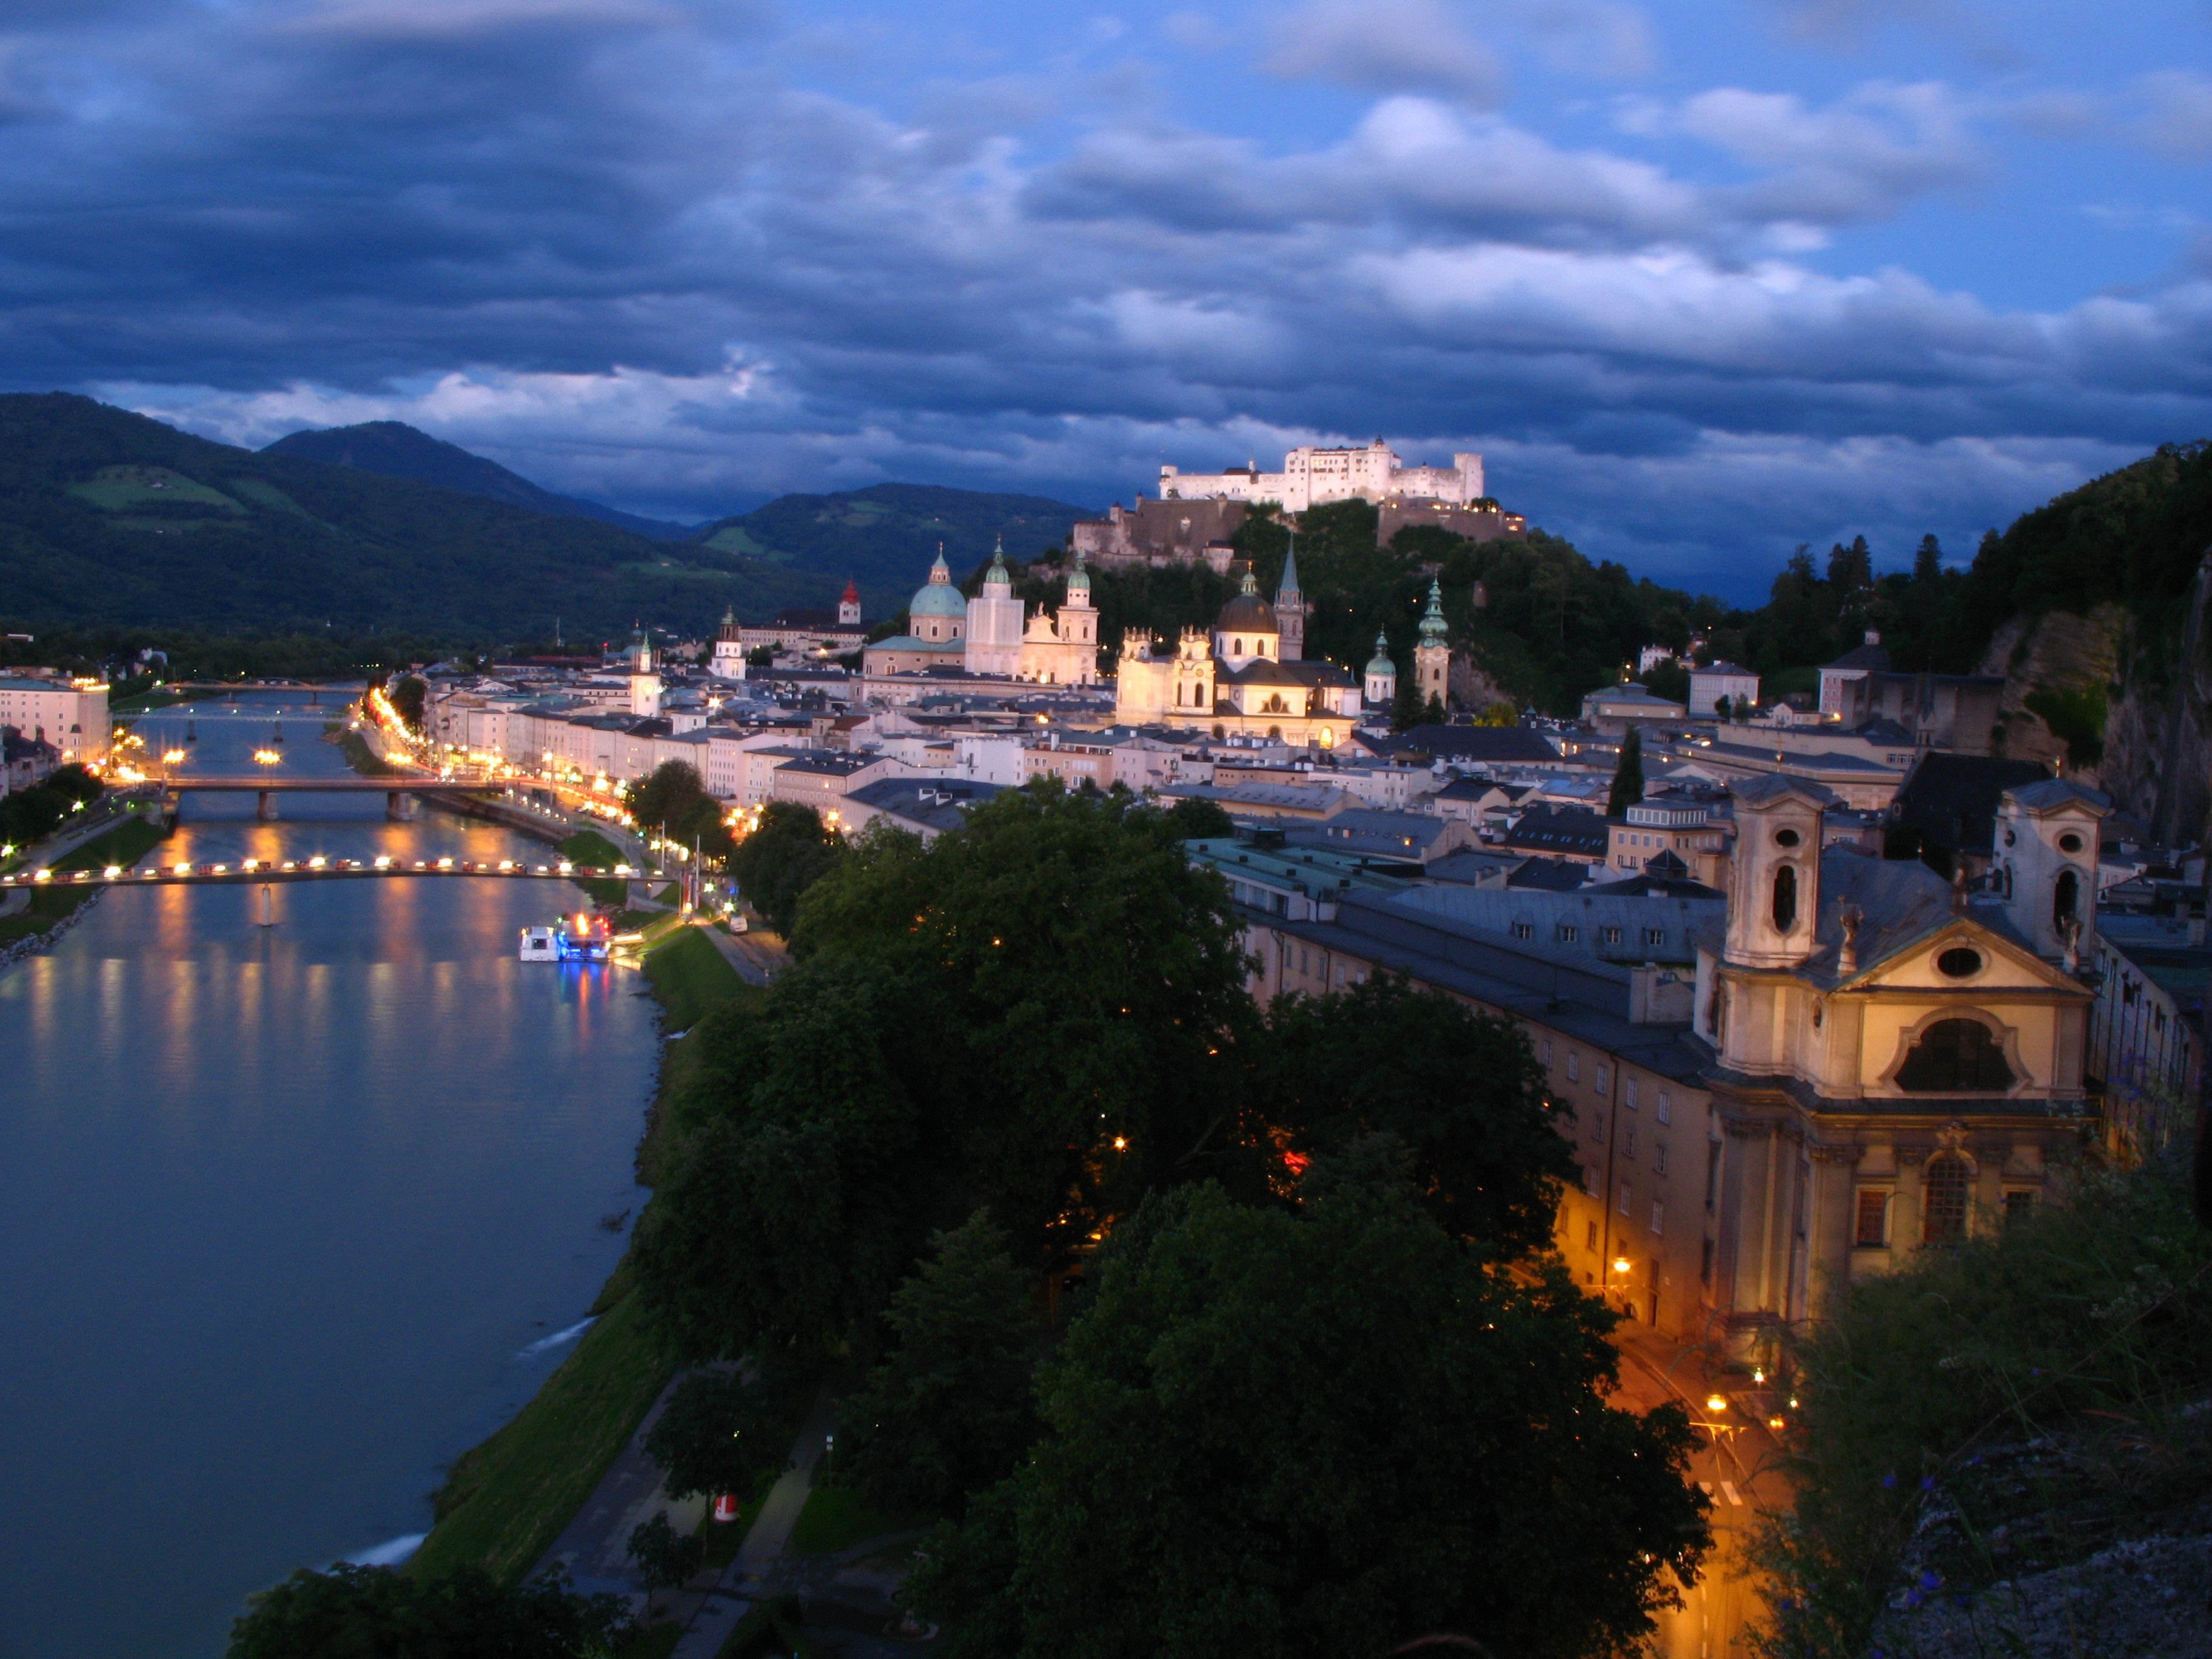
(989,636)
(1247,677)
(1895,1062)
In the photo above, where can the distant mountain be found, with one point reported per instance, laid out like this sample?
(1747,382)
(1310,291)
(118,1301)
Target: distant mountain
(109,518)
(395,450)
(885,536)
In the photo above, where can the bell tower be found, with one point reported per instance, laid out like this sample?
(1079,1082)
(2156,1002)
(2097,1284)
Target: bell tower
(1431,654)
(1290,608)
(2046,868)
(1774,875)
(1382,688)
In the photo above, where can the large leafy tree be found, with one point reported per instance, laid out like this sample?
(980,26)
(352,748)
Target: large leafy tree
(1321,1433)
(1037,1015)
(352,1613)
(1628,776)
(1460,1090)
(720,1432)
(789,849)
(672,797)
(950,1408)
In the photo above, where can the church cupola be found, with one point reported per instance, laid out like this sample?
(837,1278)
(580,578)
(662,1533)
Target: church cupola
(1247,631)
(1431,654)
(1774,873)
(1382,688)
(2046,864)
(998,575)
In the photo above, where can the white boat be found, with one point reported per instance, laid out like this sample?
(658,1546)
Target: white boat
(538,944)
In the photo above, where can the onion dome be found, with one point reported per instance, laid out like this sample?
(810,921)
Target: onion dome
(1078,581)
(1380,663)
(938,597)
(1248,613)
(851,593)
(1432,619)
(998,575)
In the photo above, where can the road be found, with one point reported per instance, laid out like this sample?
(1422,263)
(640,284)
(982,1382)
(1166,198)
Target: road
(1736,1470)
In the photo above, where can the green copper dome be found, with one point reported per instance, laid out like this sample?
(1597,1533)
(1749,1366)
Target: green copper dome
(1432,619)
(1380,663)
(938,597)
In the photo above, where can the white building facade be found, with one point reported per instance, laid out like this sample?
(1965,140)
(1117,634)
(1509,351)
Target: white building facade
(1312,477)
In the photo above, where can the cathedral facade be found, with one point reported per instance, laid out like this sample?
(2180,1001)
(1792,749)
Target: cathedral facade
(989,636)
(1247,677)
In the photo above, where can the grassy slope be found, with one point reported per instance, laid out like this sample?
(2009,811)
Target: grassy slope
(125,845)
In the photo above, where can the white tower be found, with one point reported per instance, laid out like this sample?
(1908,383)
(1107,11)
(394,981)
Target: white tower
(644,683)
(1774,875)
(1431,655)
(1381,674)
(728,662)
(849,605)
(2047,864)
(994,644)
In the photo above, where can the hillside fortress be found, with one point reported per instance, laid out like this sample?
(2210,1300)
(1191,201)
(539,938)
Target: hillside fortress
(1312,477)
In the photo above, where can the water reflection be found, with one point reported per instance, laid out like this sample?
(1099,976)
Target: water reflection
(280,1207)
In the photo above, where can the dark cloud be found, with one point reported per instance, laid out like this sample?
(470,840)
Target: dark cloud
(644,250)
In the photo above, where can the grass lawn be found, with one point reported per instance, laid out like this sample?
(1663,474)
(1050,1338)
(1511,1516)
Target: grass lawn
(126,844)
(690,977)
(508,1499)
(363,759)
(592,850)
(837,1517)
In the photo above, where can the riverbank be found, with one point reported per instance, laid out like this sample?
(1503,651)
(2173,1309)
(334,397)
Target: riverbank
(508,1499)
(47,913)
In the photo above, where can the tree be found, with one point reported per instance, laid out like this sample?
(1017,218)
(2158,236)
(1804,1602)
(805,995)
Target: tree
(950,1408)
(1434,713)
(1321,1432)
(1460,1090)
(664,1557)
(1405,706)
(1037,1014)
(787,853)
(408,693)
(673,798)
(1499,713)
(351,1611)
(1191,819)
(1628,776)
(1669,680)
(1928,561)
(718,1433)
(1721,710)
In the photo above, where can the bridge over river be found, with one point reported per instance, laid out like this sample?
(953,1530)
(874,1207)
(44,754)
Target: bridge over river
(252,871)
(267,785)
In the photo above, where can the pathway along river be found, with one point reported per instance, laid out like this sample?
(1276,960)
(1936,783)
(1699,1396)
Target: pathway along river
(289,1217)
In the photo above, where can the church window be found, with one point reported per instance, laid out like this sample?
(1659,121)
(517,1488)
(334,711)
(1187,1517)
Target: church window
(1943,1199)
(2069,842)
(1959,962)
(1786,897)
(1785,837)
(1955,1056)
(1873,1230)
(2064,897)
(2019,1206)
(1239,651)
(1706,1264)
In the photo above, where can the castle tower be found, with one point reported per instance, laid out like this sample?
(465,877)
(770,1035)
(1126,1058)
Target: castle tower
(1774,875)
(644,683)
(1431,655)
(1291,608)
(994,644)
(1382,689)
(849,605)
(2045,867)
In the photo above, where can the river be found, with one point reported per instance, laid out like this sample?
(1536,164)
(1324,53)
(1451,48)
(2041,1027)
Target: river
(289,1216)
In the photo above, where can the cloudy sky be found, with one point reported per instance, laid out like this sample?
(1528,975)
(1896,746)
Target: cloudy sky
(1702,281)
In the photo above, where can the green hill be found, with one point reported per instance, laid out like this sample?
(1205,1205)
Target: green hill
(885,536)
(107,517)
(397,449)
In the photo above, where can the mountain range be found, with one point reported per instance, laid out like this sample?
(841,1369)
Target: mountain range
(109,518)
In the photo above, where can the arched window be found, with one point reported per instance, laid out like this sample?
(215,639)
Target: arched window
(2064,896)
(1239,651)
(1943,1199)
(1785,898)
(1955,1057)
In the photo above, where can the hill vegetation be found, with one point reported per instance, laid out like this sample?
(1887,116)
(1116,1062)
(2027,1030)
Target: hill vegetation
(395,450)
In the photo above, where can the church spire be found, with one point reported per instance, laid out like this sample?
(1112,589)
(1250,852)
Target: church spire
(1288,588)
(1433,627)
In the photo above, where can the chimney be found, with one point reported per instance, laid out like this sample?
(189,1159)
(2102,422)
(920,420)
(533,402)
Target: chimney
(1873,637)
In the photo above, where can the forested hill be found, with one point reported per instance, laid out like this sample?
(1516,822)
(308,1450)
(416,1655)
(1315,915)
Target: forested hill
(109,518)
(885,536)
(398,451)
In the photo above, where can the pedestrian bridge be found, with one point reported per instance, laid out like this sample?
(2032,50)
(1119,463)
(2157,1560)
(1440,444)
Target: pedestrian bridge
(395,788)
(249,872)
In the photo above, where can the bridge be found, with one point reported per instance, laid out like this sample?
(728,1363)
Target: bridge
(255,871)
(395,789)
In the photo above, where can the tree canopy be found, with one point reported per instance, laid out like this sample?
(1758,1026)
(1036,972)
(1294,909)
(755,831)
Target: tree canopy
(788,850)
(374,1613)
(674,798)
(1321,1432)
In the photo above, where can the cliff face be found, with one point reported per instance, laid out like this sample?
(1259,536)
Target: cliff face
(2120,701)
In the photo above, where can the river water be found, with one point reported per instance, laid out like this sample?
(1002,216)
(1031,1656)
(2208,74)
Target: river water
(289,1216)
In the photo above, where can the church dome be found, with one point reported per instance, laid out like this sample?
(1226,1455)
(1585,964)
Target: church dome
(938,597)
(1248,613)
(1380,663)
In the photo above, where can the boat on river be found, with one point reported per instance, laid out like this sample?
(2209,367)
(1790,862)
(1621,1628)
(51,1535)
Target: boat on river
(588,936)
